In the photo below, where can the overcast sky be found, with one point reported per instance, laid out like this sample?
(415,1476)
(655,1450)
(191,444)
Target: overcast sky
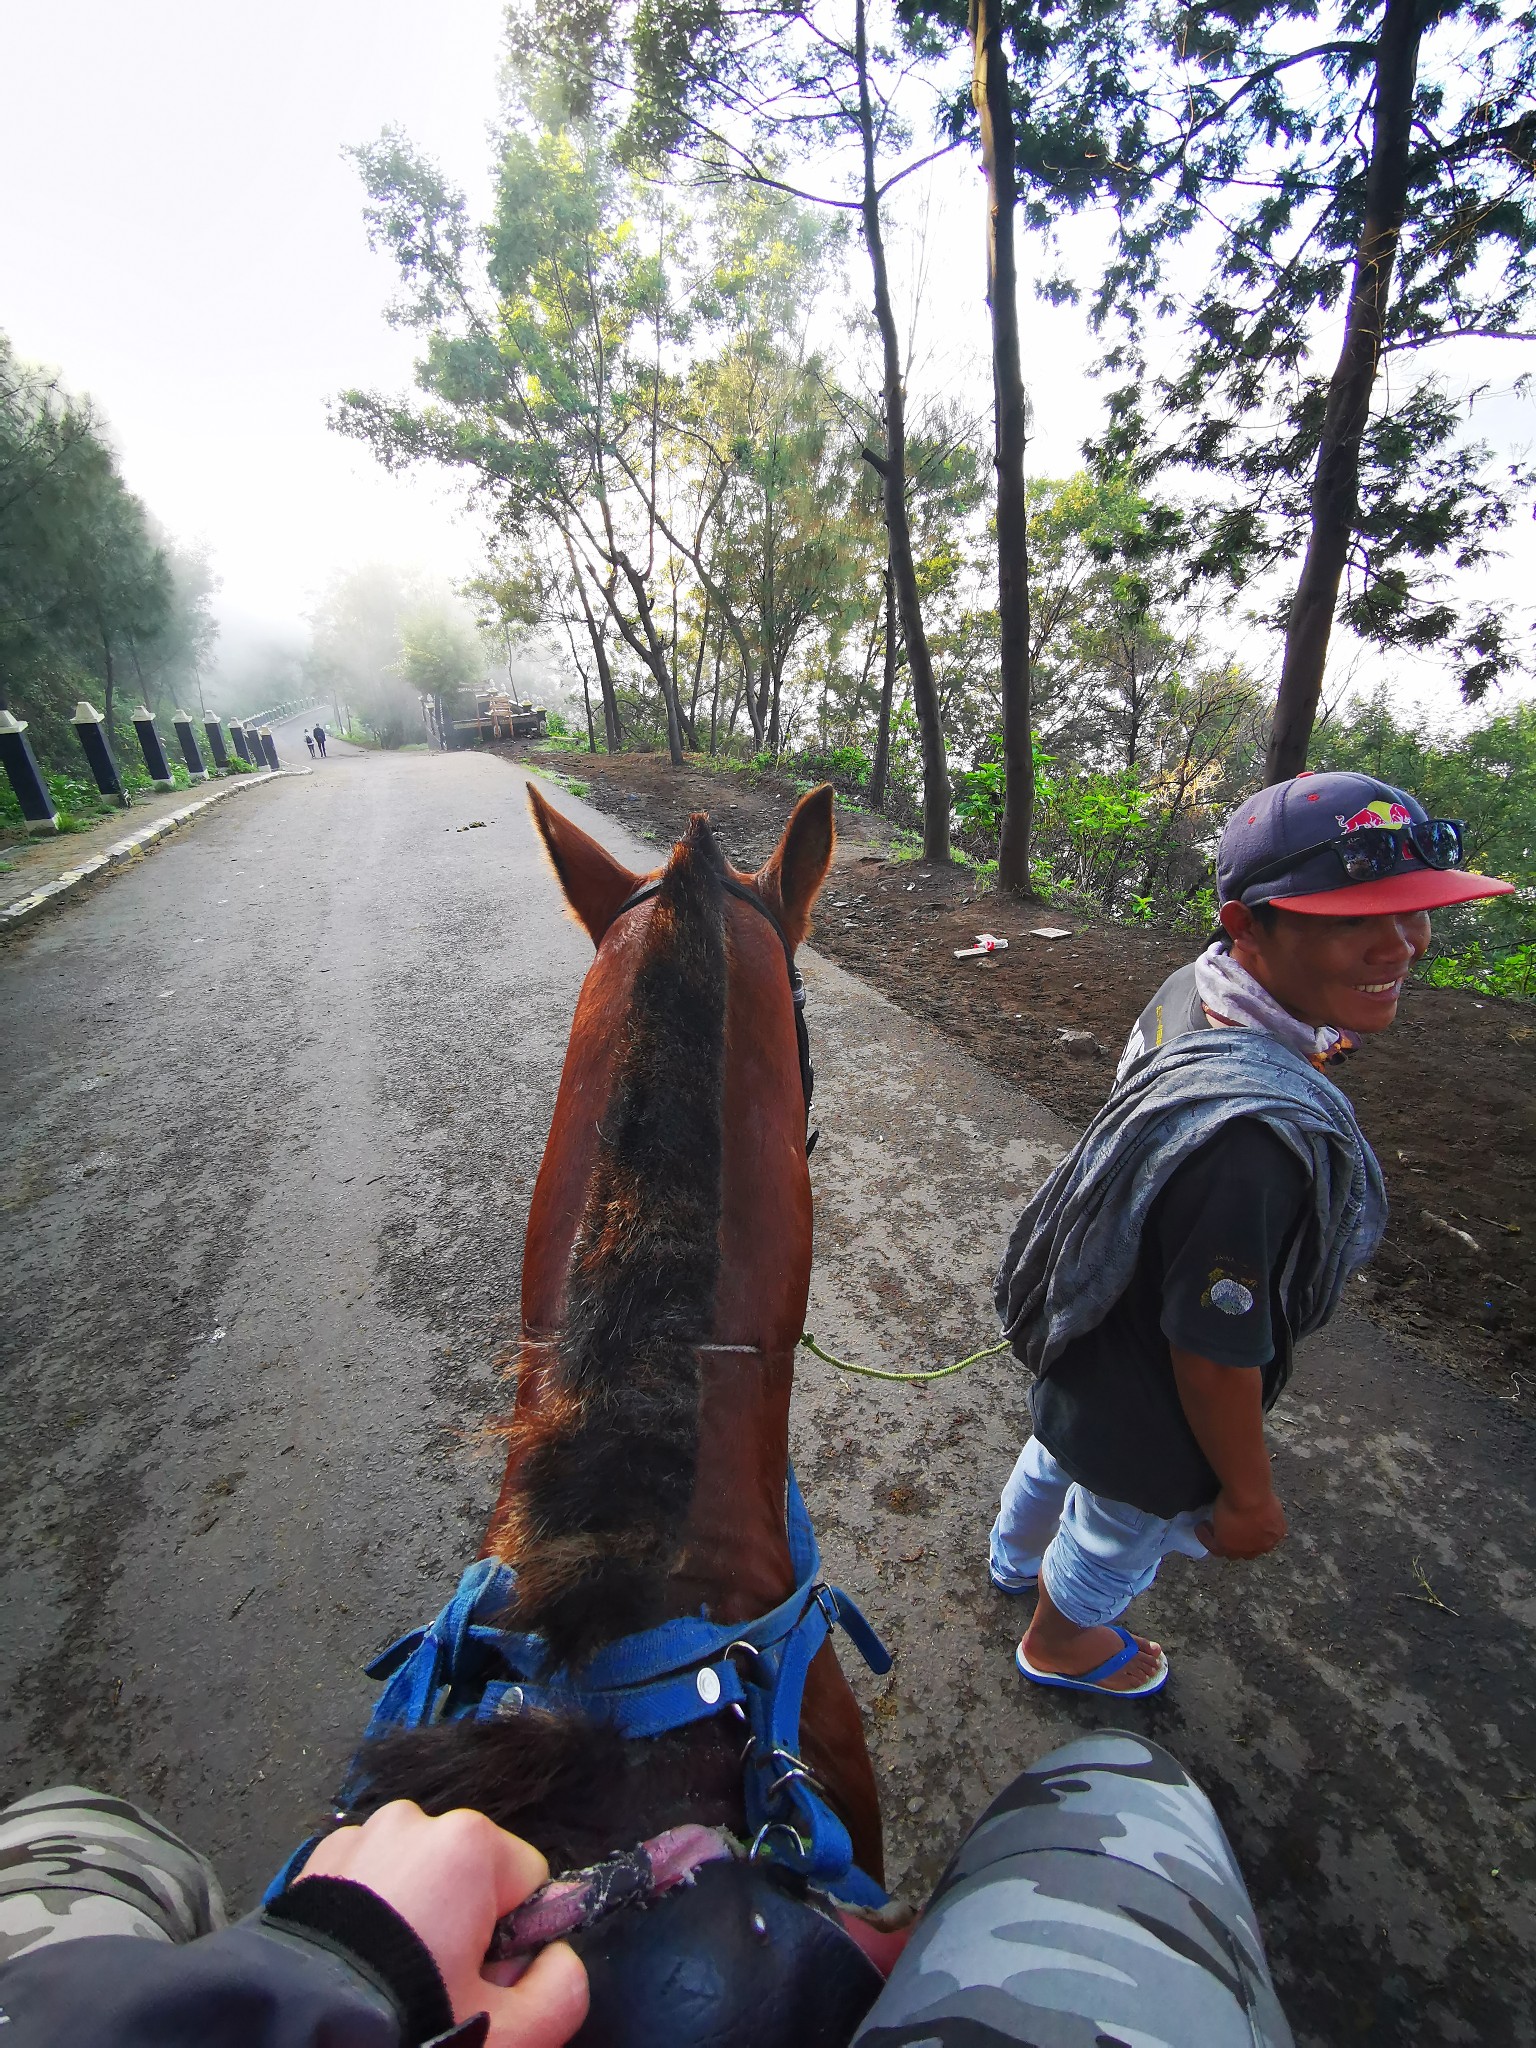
(182,237)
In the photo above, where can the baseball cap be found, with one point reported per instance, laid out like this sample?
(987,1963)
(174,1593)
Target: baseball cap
(1286,834)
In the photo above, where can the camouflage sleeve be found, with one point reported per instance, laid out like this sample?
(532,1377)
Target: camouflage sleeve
(1096,1902)
(112,1931)
(241,1988)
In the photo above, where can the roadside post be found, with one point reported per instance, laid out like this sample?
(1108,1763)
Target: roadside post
(91,731)
(216,744)
(253,741)
(242,744)
(26,778)
(269,748)
(153,752)
(189,753)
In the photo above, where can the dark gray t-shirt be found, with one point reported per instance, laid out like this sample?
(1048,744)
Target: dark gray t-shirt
(1207,1279)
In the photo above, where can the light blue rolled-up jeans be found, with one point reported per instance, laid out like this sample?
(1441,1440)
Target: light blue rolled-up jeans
(1092,1555)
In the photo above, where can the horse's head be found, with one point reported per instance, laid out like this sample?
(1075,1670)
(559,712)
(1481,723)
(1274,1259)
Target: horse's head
(682,1106)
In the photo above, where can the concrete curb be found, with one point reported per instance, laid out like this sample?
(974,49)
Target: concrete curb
(125,850)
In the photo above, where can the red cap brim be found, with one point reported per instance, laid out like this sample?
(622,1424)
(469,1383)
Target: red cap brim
(1421,889)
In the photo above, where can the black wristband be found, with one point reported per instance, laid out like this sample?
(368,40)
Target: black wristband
(351,1918)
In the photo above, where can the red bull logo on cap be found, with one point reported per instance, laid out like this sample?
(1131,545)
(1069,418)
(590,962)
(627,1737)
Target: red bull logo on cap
(1378,813)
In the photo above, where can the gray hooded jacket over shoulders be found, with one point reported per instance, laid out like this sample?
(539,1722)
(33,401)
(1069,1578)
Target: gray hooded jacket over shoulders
(1073,1252)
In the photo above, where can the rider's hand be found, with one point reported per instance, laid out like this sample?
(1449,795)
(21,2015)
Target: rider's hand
(1243,1529)
(452,1878)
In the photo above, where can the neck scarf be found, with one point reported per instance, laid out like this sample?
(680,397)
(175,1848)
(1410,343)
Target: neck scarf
(1232,997)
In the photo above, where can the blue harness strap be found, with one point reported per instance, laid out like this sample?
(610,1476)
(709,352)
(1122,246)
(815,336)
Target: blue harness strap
(463,1666)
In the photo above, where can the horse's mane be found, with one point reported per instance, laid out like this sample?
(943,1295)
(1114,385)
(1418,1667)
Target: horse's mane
(606,1460)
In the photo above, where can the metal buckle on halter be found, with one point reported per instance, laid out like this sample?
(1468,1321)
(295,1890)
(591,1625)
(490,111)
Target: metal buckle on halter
(782,1827)
(797,1771)
(822,1594)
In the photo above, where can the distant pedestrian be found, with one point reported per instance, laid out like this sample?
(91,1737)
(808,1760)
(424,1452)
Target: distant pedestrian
(309,741)
(320,740)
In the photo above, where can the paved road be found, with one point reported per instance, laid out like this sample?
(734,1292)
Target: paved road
(273,1106)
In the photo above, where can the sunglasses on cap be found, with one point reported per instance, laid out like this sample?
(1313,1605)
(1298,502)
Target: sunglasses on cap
(1373,852)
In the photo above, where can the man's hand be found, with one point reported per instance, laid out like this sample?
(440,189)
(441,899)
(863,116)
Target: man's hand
(452,1878)
(1246,1529)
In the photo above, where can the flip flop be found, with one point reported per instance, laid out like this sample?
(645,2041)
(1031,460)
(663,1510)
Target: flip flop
(1019,1586)
(1092,1681)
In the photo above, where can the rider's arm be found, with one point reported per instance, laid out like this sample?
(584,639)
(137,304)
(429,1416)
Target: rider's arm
(379,1944)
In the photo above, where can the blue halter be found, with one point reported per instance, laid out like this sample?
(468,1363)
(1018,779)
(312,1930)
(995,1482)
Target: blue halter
(462,1667)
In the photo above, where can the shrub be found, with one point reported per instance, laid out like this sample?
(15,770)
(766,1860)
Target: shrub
(1510,973)
(79,803)
(979,799)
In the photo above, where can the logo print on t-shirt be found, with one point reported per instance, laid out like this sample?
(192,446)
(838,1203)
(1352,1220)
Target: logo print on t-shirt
(1227,1294)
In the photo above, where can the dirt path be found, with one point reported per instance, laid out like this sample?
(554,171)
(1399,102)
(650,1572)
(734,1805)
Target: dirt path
(1448,1097)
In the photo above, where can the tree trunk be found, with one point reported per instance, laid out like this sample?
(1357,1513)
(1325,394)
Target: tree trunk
(613,730)
(989,90)
(925,700)
(882,761)
(714,697)
(109,674)
(1336,482)
(698,674)
(651,652)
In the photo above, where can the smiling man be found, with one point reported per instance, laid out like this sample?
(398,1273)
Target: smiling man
(1209,1216)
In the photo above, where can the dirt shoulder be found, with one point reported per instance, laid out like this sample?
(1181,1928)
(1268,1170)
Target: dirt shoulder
(1448,1097)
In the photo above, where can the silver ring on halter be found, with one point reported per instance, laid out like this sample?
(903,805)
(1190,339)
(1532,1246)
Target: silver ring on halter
(753,1652)
(782,1827)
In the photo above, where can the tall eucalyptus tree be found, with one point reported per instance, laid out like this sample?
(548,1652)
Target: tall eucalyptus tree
(737,89)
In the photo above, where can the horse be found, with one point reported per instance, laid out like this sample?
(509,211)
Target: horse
(592,1683)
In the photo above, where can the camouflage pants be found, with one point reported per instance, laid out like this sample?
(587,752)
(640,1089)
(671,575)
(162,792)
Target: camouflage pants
(1095,1902)
(76,1862)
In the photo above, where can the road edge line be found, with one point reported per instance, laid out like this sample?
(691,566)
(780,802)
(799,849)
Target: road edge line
(123,851)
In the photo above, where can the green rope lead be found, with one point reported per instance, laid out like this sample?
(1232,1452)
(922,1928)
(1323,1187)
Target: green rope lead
(873,1372)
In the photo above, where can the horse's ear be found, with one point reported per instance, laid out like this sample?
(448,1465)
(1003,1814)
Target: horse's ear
(792,874)
(595,884)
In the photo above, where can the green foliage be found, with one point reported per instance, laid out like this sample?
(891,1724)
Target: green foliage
(1485,776)
(439,654)
(558,726)
(848,764)
(847,767)
(1510,973)
(979,800)
(1198,912)
(94,601)
(1245,160)
(79,803)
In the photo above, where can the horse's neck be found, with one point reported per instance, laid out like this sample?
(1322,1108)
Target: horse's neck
(734,1557)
